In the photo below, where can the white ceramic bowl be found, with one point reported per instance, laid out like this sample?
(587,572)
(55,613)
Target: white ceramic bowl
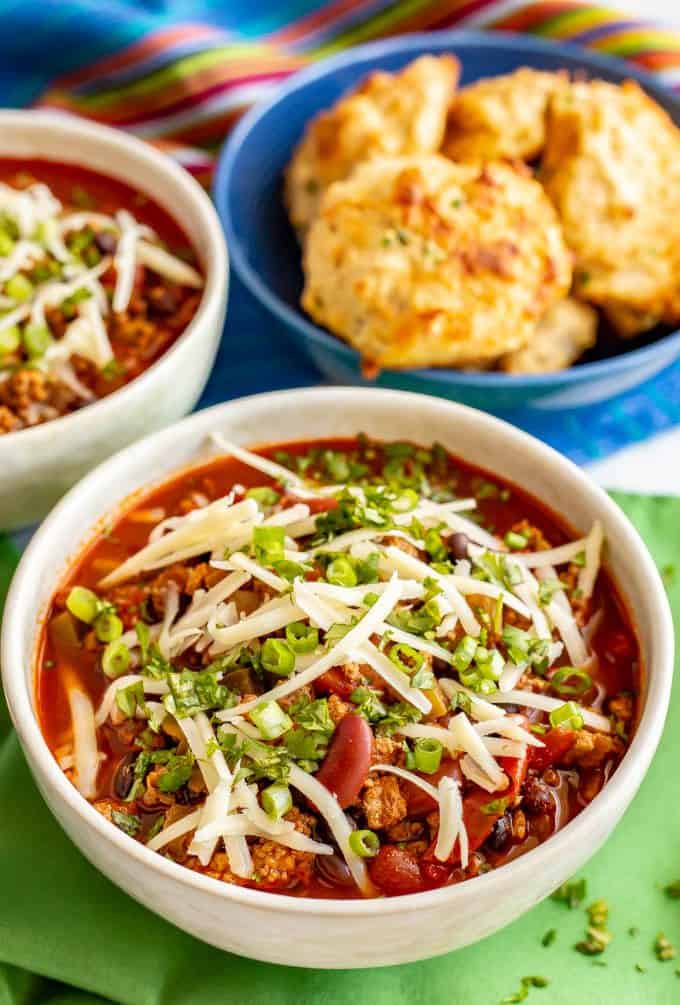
(38,465)
(327,933)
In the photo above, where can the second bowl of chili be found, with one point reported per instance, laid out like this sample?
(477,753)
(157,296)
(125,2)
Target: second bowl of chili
(113,280)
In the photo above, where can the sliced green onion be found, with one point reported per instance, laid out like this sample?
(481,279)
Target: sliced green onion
(10,339)
(568,715)
(406,501)
(19,288)
(302,638)
(365,844)
(490,662)
(464,653)
(571,680)
(434,546)
(514,541)
(276,801)
(6,243)
(115,659)
(278,657)
(406,658)
(427,755)
(269,544)
(83,604)
(108,626)
(37,338)
(271,720)
(289,570)
(341,573)
(264,495)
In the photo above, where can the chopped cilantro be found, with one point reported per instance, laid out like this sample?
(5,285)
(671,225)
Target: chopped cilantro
(549,937)
(196,691)
(126,822)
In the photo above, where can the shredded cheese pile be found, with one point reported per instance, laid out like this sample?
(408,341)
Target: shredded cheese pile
(36,238)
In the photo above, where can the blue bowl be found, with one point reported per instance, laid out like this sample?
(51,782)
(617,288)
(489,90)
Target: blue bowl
(266,256)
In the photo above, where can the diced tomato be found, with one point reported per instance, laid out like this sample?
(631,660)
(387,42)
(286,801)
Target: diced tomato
(479,824)
(395,871)
(419,802)
(556,743)
(344,769)
(334,682)
(617,647)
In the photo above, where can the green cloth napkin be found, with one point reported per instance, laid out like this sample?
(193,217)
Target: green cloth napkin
(64,926)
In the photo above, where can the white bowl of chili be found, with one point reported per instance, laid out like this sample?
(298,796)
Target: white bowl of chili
(331,931)
(85,206)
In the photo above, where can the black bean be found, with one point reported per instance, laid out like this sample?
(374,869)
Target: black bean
(124,776)
(334,870)
(501,835)
(106,242)
(537,797)
(458,545)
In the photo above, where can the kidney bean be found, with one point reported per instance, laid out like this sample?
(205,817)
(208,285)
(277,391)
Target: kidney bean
(396,871)
(556,743)
(435,874)
(344,769)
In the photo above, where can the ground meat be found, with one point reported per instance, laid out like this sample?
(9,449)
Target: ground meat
(407,830)
(217,868)
(8,420)
(281,868)
(23,389)
(152,797)
(201,576)
(622,706)
(386,750)
(337,708)
(158,588)
(128,601)
(107,806)
(302,692)
(405,546)
(383,802)
(532,682)
(591,749)
(536,540)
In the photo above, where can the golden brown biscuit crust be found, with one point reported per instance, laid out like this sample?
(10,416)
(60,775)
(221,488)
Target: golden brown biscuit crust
(418,261)
(612,168)
(501,117)
(387,114)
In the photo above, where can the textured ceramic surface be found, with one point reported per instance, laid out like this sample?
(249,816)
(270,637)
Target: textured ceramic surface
(322,933)
(38,465)
(267,258)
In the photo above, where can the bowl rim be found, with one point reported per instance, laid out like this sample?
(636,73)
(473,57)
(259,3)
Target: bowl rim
(227,167)
(215,262)
(20,697)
